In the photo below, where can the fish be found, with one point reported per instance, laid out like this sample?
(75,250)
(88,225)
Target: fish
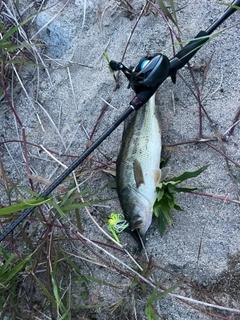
(138,166)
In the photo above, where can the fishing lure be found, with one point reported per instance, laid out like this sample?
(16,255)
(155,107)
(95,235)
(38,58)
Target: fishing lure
(116,224)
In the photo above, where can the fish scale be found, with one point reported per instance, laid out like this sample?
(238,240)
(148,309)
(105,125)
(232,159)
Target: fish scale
(137,170)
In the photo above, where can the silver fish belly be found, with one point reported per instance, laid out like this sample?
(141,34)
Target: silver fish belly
(137,170)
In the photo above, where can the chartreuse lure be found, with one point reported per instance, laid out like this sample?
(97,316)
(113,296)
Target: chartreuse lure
(117,224)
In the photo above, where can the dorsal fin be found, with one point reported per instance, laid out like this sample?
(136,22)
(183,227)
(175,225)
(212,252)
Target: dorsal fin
(138,174)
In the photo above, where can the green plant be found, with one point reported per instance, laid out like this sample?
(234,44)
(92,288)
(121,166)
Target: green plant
(166,192)
(10,273)
(10,51)
(170,14)
(150,310)
(7,45)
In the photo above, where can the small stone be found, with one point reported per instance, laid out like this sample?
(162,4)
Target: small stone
(57,35)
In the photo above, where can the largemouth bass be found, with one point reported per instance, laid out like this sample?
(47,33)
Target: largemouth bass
(138,166)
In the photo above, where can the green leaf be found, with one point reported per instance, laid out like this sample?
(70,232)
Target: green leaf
(21,206)
(160,194)
(73,206)
(11,31)
(106,56)
(229,5)
(73,198)
(186,189)
(2,27)
(66,315)
(153,296)
(150,313)
(58,208)
(25,236)
(29,191)
(56,290)
(161,224)
(108,60)
(5,45)
(22,62)
(167,13)
(67,197)
(168,183)
(78,220)
(15,270)
(166,192)
(85,291)
(173,11)
(166,292)
(46,292)
(189,174)
(8,46)
(58,297)
(9,258)
(177,207)
(166,211)
(13,187)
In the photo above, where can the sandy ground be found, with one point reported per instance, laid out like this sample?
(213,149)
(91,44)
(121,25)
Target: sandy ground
(203,244)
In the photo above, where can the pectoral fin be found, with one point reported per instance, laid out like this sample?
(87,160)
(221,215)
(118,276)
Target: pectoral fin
(157,176)
(138,173)
(160,175)
(164,172)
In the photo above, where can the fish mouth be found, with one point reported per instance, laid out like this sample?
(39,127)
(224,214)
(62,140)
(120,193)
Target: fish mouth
(137,223)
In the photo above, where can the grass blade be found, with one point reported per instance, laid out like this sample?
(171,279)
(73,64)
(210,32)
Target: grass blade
(22,206)
(167,13)
(46,292)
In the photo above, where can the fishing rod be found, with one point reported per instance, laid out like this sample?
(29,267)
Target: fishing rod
(144,79)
